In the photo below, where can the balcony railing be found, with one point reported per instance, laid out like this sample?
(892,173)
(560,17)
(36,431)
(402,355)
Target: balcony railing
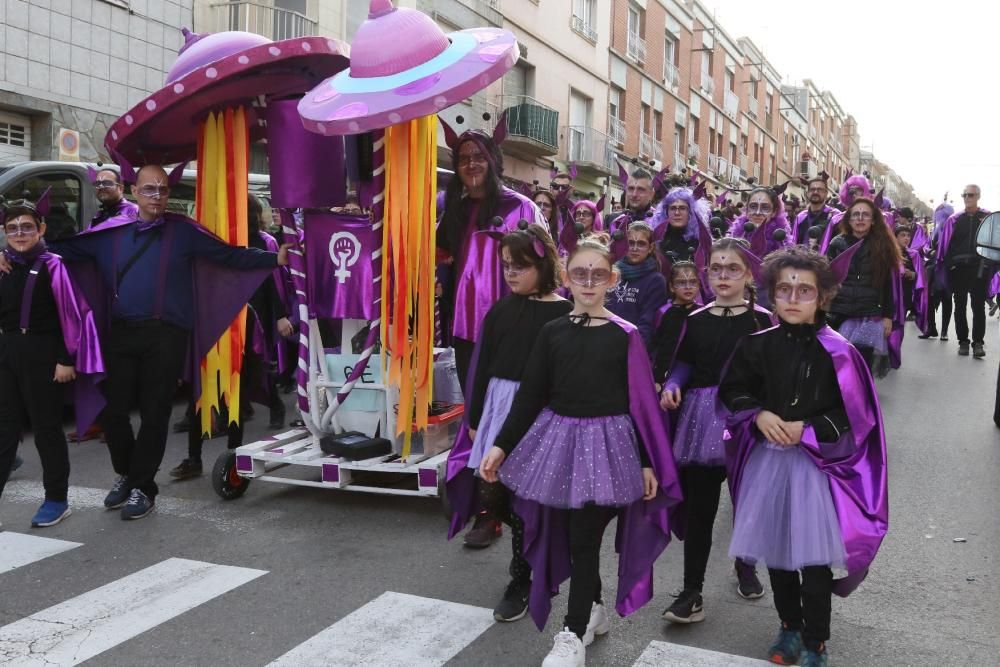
(713,163)
(707,83)
(754,108)
(636,47)
(679,162)
(531,122)
(735,173)
(579,25)
(616,129)
(694,151)
(671,75)
(650,146)
(256,17)
(756,171)
(743,161)
(588,147)
(731,104)
(723,167)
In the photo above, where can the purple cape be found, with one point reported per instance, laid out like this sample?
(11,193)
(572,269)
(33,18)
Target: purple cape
(857,471)
(944,234)
(831,231)
(478,276)
(779,221)
(219,294)
(79,331)
(801,217)
(920,307)
(286,293)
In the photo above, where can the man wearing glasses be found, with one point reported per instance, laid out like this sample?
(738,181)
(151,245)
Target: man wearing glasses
(111,194)
(149,266)
(817,214)
(967,276)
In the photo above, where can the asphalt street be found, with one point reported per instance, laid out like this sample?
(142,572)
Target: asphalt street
(207,582)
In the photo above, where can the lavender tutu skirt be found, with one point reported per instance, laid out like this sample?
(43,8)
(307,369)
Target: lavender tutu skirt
(700,425)
(785,515)
(499,397)
(567,462)
(865,332)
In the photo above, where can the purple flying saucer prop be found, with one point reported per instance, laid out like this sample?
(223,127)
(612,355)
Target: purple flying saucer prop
(214,72)
(403,67)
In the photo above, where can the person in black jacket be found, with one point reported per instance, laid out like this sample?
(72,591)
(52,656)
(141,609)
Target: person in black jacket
(863,308)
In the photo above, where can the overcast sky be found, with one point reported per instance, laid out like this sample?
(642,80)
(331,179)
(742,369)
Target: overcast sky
(920,78)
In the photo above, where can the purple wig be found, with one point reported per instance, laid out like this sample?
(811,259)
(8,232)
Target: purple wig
(857,180)
(698,212)
(943,211)
(592,207)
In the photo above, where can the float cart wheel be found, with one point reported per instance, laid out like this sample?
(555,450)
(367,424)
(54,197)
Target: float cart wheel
(225,480)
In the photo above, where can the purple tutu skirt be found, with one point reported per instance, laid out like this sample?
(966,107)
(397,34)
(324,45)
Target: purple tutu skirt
(785,515)
(700,424)
(865,332)
(499,397)
(567,462)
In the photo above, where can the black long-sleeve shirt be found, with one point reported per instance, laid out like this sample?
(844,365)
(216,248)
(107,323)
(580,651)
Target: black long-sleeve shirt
(859,295)
(509,332)
(788,371)
(710,340)
(575,371)
(44,315)
(665,340)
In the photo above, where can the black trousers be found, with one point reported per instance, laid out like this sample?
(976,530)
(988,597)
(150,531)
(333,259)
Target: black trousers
(586,531)
(28,393)
(944,300)
(496,500)
(965,282)
(702,486)
(143,365)
(463,360)
(804,603)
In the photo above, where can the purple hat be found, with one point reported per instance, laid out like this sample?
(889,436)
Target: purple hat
(214,72)
(402,67)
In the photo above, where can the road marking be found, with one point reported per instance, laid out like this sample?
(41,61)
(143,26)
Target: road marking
(394,629)
(665,654)
(18,549)
(89,624)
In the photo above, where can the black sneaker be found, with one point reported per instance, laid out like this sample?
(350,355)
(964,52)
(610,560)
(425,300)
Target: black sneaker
(138,505)
(187,469)
(483,532)
(514,604)
(978,352)
(118,495)
(944,337)
(688,608)
(749,587)
(963,349)
(929,334)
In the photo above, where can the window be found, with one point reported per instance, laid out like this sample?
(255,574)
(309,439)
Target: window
(12,134)
(615,103)
(582,21)
(64,201)
(634,22)
(671,75)
(657,126)
(679,143)
(730,84)
(706,62)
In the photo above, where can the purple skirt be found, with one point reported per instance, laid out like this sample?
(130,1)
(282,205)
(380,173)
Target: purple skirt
(700,425)
(567,462)
(865,332)
(785,514)
(499,397)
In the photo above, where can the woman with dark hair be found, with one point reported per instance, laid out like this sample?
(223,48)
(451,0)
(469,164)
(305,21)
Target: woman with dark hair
(764,209)
(474,204)
(864,307)
(546,203)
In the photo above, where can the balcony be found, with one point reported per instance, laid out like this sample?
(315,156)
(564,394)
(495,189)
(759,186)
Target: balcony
(756,171)
(735,174)
(650,146)
(713,164)
(694,151)
(723,167)
(743,161)
(671,75)
(616,129)
(679,162)
(754,108)
(265,20)
(532,127)
(635,48)
(582,27)
(590,149)
(707,84)
(731,104)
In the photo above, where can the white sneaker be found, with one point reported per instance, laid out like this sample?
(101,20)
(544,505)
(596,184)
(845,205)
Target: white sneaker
(599,624)
(567,651)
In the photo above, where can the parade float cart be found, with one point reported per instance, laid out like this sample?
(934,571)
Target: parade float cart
(372,277)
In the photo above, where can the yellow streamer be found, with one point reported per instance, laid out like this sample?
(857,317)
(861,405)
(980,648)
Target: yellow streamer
(408,269)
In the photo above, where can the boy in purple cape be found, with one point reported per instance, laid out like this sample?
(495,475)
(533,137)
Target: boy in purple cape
(805,456)
(47,339)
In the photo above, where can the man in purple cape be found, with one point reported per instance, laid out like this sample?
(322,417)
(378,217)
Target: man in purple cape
(110,189)
(164,290)
(855,466)
(639,193)
(816,214)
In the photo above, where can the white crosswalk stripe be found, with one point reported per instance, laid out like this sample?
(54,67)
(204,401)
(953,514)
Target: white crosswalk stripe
(82,627)
(18,549)
(394,629)
(664,654)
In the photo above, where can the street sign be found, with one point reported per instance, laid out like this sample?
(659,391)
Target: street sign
(69,145)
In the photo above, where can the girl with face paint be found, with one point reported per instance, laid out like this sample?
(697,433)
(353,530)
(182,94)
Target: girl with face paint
(584,396)
(806,453)
(642,290)
(710,334)
(865,305)
(530,266)
(684,288)
(764,209)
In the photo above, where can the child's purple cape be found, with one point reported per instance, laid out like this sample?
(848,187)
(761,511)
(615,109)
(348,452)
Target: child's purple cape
(219,294)
(855,465)
(79,332)
(460,480)
(995,284)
